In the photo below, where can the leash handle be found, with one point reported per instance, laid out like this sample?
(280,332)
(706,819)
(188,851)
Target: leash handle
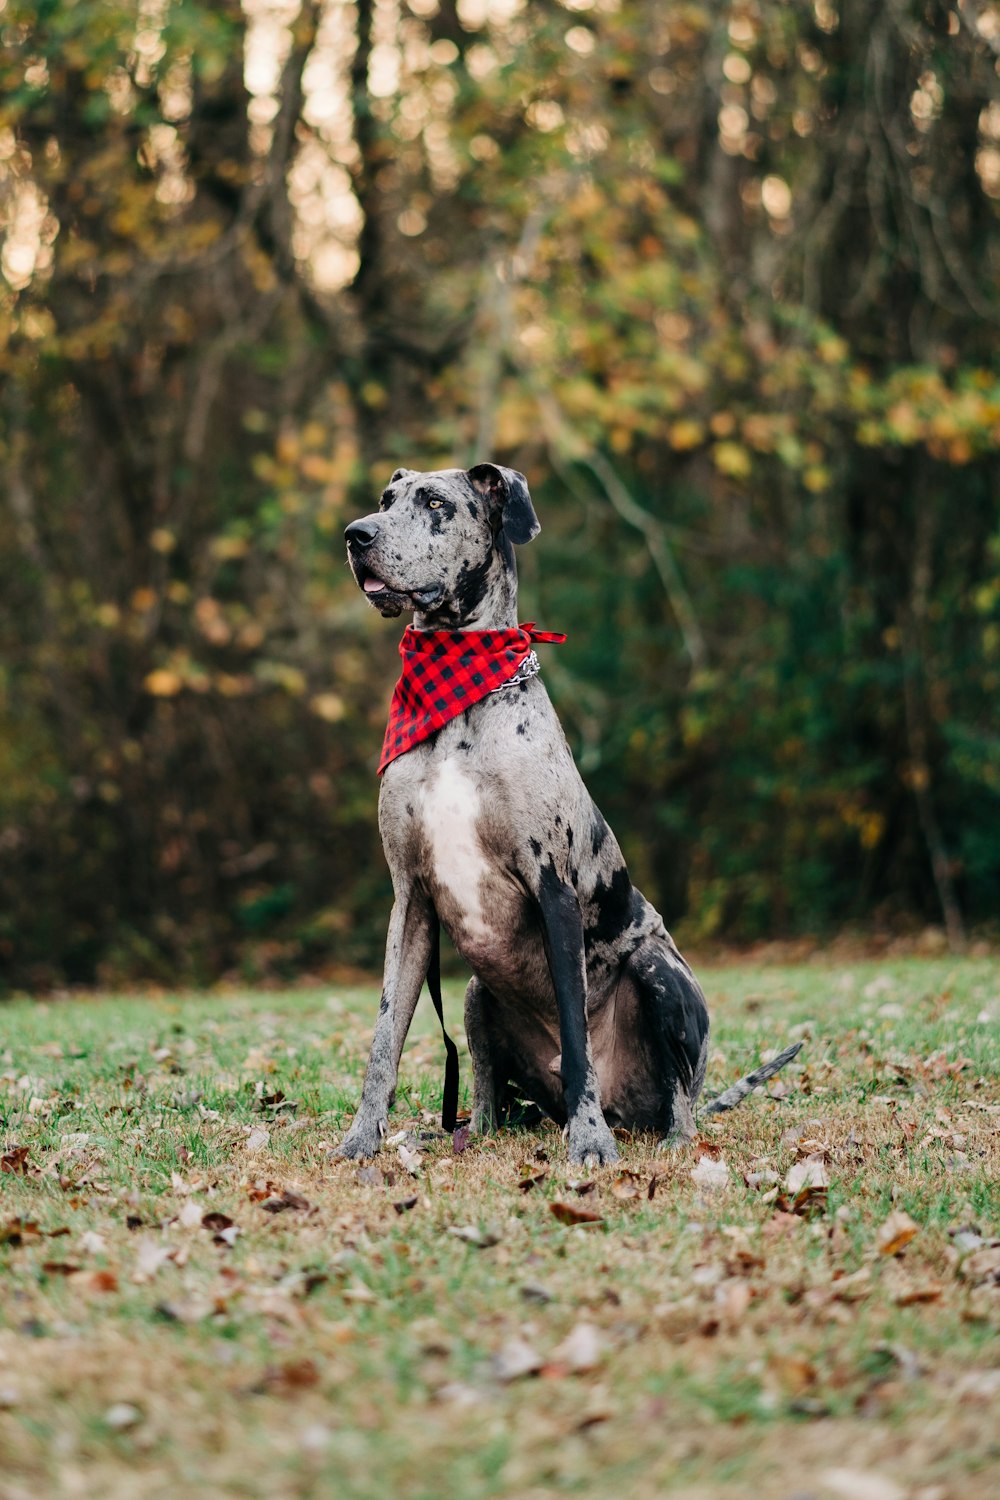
(449,1099)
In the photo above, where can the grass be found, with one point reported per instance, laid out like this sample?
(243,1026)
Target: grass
(193,1292)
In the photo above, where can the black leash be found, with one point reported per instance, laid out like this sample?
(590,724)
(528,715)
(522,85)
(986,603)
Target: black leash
(449,1099)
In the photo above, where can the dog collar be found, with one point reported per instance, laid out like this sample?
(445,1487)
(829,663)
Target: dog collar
(447,671)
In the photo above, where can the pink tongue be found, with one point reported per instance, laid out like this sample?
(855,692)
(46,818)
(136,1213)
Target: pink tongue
(374,585)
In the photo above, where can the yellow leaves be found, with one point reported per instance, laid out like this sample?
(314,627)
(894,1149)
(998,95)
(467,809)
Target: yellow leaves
(162,540)
(143,600)
(732,460)
(328,706)
(684,434)
(163,683)
(229,548)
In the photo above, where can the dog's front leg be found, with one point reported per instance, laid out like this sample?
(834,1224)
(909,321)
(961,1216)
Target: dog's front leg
(407,954)
(590,1140)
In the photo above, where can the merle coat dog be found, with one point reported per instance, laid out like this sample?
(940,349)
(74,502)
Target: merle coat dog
(579,1000)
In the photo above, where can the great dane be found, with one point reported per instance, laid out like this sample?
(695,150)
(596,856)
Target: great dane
(579,1002)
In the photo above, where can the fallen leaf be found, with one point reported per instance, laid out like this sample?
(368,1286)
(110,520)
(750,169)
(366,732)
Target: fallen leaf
(895,1233)
(17,1232)
(481,1238)
(149,1257)
(626,1185)
(581,1186)
(710,1172)
(370,1176)
(516,1359)
(278,1202)
(580,1350)
(14,1160)
(531,1176)
(810,1174)
(403,1205)
(190,1216)
(358,1292)
(185,1310)
(122,1416)
(982,1265)
(59,1268)
(460,1140)
(857,1484)
(573,1213)
(294,1375)
(216,1222)
(258,1138)
(910,1294)
(409,1160)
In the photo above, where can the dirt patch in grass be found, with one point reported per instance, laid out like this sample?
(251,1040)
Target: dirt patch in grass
(194,1291)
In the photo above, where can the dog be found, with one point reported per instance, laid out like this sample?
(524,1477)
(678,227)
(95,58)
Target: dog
(580,1001)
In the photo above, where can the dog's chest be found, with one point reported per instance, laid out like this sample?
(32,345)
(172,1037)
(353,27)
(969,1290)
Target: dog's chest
(437,817)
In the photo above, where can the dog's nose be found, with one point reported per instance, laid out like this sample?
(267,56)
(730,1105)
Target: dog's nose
(361,534)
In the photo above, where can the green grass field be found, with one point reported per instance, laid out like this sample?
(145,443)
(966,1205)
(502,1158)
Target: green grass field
(194,1293)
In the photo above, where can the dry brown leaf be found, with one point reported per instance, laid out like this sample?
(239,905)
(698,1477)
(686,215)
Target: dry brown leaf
(982,1265)
(580,1350)
(895,1233)
(809,1173)
(574,1213)
(531,1176)
(909,1294)
(516,1359)
(403,1205)
(710,1172)
(626,1185)
(216,1222)
(481,1238)
(15,1160)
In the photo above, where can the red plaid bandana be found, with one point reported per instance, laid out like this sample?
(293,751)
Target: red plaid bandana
(445,672)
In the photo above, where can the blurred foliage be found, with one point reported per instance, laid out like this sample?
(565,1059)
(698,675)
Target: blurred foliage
(721,278)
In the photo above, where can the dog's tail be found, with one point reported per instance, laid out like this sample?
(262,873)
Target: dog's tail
(744,1086)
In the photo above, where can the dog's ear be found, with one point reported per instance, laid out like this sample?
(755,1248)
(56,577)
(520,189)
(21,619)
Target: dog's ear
(506,493)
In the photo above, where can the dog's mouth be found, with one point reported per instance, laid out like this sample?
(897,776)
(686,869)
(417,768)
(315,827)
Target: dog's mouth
(389,600)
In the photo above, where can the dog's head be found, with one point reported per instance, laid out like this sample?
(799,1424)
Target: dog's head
(440,543)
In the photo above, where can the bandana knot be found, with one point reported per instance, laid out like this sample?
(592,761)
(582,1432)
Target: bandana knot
(447,671)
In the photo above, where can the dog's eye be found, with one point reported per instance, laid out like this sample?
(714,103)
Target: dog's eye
(434,504)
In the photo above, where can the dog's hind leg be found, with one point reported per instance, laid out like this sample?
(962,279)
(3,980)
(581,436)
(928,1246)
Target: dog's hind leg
(674,1019)
(486,1085)
(412,928)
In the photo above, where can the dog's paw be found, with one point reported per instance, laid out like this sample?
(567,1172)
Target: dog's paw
(592,1145)
(677,1140)
(483,1121)
(362,1140)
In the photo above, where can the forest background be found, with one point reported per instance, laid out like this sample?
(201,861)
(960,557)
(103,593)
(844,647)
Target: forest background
(721,279)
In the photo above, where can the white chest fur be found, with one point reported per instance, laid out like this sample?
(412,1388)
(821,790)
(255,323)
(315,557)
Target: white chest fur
(451,810)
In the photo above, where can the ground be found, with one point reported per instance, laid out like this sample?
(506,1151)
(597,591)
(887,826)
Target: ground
(194,1292)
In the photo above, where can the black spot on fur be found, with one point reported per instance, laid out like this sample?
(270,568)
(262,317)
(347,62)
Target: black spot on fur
(474,510)
(409,809)
(383,1005)
(558,820)
(473,581)
(536,848)
(599,831)
(569,837)
(524,687)
(464,745)
(613,903)
(522,728)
